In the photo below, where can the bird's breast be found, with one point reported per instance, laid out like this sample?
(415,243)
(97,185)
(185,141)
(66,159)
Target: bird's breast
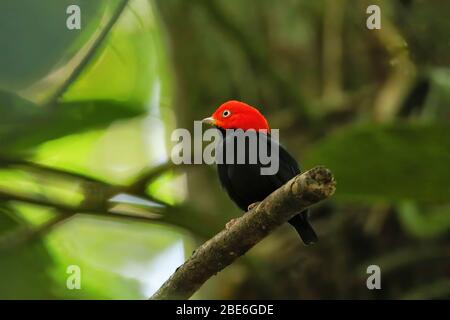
(245,182)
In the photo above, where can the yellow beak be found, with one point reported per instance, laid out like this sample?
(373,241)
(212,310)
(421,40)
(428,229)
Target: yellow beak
(210,120)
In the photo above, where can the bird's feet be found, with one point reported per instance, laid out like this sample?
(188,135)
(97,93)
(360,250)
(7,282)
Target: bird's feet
(230,223)
(253,205)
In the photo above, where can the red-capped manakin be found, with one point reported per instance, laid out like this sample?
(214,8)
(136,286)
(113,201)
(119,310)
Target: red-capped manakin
(244,183)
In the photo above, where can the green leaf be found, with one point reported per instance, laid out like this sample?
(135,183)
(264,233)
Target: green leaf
(424,223)
(392,162)
(438,100)
(7,222)
(114,255)
(25,125)
(133,64)
(35,38)
(14,111)
(25,273)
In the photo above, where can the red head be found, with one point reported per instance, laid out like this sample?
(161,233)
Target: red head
(238,115)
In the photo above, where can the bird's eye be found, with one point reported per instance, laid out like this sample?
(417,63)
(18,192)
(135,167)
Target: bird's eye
(226,113)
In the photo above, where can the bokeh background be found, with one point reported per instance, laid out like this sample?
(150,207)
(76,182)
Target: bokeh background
(85,123)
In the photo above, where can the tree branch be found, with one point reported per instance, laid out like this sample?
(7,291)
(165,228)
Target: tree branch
(299,193)
(89,55)
(17,162)
(141,182)
(14,239)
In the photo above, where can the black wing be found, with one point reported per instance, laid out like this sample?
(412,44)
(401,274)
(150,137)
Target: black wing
(244,182)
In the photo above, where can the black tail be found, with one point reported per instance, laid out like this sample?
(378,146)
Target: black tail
(305,230)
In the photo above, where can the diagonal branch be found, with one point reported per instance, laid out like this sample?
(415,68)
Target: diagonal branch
(14,239)
(89,55)
(18,162)
(141,182)
(220,251)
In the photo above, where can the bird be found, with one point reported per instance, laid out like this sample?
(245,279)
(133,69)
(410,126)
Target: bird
(244,182)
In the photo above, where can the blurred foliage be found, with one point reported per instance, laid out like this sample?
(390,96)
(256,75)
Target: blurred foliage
(85,122)
(28,29)
(363,159)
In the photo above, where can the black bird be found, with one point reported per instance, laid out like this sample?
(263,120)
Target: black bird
(244,183)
